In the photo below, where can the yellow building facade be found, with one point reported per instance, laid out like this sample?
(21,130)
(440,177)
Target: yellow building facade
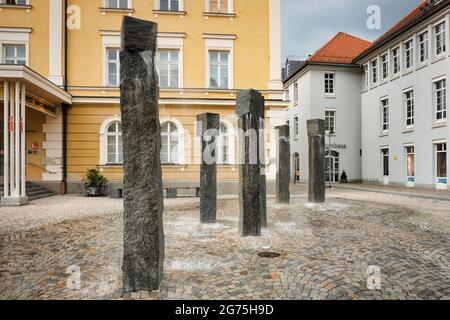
(64,58)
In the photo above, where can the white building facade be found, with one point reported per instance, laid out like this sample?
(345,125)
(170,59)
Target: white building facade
(330,92)
(405,132)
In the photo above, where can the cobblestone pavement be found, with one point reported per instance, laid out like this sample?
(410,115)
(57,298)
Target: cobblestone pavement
(325,250)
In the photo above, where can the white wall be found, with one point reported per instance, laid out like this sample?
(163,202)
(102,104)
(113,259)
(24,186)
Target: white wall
(312,105)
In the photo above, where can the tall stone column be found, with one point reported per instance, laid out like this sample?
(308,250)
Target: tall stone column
(262,194)
(283,165)
(143,194)
(316,138)
(210,124)
(250,112)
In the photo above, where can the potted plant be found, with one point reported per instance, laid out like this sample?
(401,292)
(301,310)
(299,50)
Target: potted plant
(94,183)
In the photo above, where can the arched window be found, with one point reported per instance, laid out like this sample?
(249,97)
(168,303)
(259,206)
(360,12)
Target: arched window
(223,145)
(114,145)
(170,137)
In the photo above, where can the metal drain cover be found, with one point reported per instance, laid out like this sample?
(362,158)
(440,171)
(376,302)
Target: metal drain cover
(269,255)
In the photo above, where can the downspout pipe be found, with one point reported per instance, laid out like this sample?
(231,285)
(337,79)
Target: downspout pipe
(64,109)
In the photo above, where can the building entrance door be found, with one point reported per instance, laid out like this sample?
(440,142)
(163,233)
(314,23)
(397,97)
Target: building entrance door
(332,166)
(296,167)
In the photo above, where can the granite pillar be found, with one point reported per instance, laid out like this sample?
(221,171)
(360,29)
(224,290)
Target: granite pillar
(250,113)
(143,194)
(262,194)
(316,139)
(283,165)
(209,124)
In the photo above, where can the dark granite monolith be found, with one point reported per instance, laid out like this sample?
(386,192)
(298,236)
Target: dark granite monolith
(262,194)
(316,138)
(209,124)
(250,113)
(143,254)
(283,165)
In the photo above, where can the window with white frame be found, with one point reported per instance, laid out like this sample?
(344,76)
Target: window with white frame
(409,108)
(330,121)
(440,39)
(374,70)
(366,76)
(14,54)
(169,68)
(170,142)
(385,66)
(219,69)
(296,93)
(112,67)
(409,54)
(117,4)
(440,99)
(385,114)
(385,160)
(14,2)
(423,46)
(329,83)
(296,127)
(169,5)
(441,160)
(114,145)
(395,60)
(218,6)
(223,145)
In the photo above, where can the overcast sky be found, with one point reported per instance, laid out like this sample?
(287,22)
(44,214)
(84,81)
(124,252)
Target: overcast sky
(308,24)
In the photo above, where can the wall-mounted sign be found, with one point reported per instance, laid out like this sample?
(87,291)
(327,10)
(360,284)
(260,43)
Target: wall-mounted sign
(336,146)
(40,105)
(35,146)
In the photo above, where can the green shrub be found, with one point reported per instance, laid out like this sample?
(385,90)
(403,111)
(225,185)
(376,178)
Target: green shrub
(94,178)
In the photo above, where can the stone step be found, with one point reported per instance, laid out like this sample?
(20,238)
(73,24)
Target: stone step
(33,191)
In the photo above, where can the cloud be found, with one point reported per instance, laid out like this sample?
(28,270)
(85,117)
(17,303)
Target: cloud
(308,24)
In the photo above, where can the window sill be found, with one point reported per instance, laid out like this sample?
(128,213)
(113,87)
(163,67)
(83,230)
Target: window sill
(440,57)
(439,124)
(408,71)
(395,76)
(408,130)
(173,165)
(422,65)
(384,134)
(117,10)
(330,96)
(219,14)
(16,6)
(110,166)
(179,13)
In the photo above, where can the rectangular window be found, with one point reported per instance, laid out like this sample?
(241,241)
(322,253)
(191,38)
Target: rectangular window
(366,76)
(409,108)
(218,6)
(440,39)
(117,4)
(385,155)
(14,2)
(329,83)
(385,114)
(409,54)
(296,93)
(330,121)
(395,60)
(169,5)
(423,46)
(14,54)
(113,67)
(219,69)
(296,126)
(440,99)
(374,67)
(441,160)
(169,67)
(410,161)
(385,66)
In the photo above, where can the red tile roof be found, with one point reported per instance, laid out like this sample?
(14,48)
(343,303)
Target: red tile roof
(342,48)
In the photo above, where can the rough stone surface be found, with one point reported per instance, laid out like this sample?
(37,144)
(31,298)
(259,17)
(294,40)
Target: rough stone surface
(316,139)
(250,112)
(210,124)
(143,254)
(282,192)
(325,248)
